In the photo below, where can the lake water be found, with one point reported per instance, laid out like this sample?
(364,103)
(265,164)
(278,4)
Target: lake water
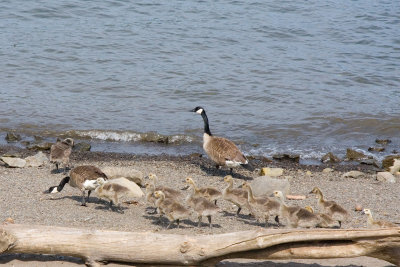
(303,77)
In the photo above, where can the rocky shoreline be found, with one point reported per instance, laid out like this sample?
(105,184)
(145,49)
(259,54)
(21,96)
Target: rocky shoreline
(24,202)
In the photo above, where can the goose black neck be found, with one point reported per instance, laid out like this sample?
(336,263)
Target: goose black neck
(206,126)
(62,183)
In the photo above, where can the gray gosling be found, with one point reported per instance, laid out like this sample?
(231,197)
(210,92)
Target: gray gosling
(168,191)
(264,205)
(114,189)
(221,150)
(201,205)
(150,198)
(82,177)
(371,223)
(237,196)
(326,220)
(331,208)
(172,209)
(60,152)
(296,216)
(209,193)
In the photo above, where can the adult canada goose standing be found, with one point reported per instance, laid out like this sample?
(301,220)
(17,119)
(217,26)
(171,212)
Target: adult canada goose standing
(221,150)
(82,177)
(60,152)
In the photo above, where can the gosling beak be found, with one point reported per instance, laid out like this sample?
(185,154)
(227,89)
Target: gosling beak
(362,213)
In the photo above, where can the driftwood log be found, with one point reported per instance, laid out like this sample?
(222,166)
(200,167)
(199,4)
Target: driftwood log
(95,246)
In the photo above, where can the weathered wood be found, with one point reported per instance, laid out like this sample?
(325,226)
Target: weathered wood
(95,246)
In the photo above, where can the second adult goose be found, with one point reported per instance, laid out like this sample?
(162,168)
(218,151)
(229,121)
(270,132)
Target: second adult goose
(81,177)
(221,150)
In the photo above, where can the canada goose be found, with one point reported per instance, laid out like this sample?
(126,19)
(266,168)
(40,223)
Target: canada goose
(150,198)
(237,196)
(264,205)
(331,208)
(326,220)
(171,208)
(82,177)
(114,189)
(221,150)
(296,216)
(60,152)
(371,223)
(209,193)
(169,192)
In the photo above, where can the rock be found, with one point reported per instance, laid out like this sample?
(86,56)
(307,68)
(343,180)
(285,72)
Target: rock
(327,170)
(265,186)
(155,138)
(38,139)
(83,146)
(330,158)
(291,157)
(351,154)
(14,162)
(372,162)
(13,137)
(376,149)
(12,154)
(127,172)
(37,160)
(385,177)
(396,166)
(387,162)
(383,141)
(353,174)
(40,147)
(358,207)
(308,173)
(272,172)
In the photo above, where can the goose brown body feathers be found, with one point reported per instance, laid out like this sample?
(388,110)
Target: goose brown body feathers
(61,151)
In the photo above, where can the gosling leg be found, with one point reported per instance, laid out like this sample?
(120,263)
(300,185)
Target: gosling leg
(209,221)
(200,218)
(88,194)
(277,220)
(83,199)
(238,211)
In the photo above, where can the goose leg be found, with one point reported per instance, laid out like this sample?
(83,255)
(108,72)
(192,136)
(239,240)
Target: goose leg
(215,202)
(277,220)
(231,171)
(209,221)
(177,222)
(57,166)
(88,194)
(238,211)
(83,199)
(340,224)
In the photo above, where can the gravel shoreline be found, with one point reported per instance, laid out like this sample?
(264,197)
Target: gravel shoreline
(23,200)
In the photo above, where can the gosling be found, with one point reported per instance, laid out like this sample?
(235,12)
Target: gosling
(296,216)
(237,196)
(114,189)
(61,151)
(172,209)
(264,205)
(371,223)
(209,193)
(201,205)
(169,192)
(326,220)
(331,208)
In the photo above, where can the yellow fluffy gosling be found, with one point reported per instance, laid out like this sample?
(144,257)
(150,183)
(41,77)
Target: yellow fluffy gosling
(264,205)
(169,192)
(172,209)
(237,196)
(326,220)
(202,206)
(209,193)
(296,216)
(114,189)
(371,223)
(331,208)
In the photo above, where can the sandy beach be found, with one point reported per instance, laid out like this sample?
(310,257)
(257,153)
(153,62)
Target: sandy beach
(22,198)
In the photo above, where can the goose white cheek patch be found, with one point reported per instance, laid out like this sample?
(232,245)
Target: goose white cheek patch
(199,111)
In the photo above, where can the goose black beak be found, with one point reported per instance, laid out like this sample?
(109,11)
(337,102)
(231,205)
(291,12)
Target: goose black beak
(192,110)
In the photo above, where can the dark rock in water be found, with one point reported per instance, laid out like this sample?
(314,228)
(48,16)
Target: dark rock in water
(25,143)
(388,161)
(40,147)
(330,158)
(155,138)
(290,157)
(383,141)
(82,147)
(13,137)
(376,149)
(38,139)
(351,154)
(195,155)
(372,162)
(261,159)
